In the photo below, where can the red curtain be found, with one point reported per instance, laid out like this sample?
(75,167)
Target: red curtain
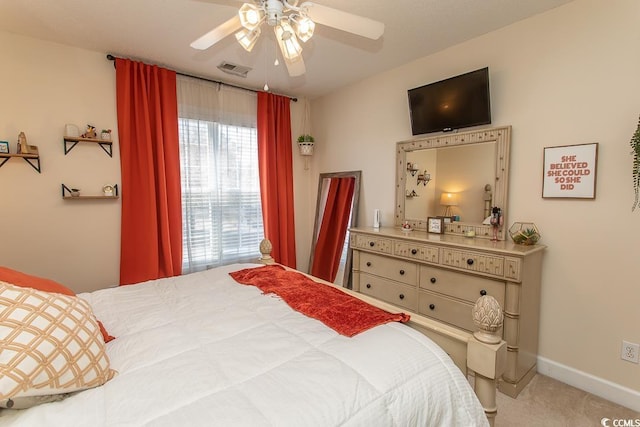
(276,175)
(151,233)
(333,229)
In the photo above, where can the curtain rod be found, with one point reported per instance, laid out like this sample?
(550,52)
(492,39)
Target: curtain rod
(113,58)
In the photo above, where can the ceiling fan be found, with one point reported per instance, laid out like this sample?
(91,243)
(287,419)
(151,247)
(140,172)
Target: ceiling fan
(290,21)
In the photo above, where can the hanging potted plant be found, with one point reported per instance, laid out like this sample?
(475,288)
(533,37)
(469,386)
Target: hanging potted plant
(306,142)
(635,144)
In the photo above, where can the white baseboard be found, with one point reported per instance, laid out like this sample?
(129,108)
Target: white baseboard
(600,387)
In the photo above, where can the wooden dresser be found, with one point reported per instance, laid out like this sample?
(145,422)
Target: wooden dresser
(441,276)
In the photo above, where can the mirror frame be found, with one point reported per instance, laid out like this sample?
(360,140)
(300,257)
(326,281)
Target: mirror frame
(500,135)
(346,282)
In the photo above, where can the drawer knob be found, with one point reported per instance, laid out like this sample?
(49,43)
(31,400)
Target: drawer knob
(470,261)
(372,244)
(401,296)
(414,251)
(402,272)
(432,306)
(483,292)
(368,285)
(368,263)
(433,280)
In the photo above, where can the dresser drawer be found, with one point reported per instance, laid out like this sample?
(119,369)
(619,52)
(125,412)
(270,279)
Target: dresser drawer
(456,313)
(389,291)
(371,243)
(389,268)
(416,251)
(460,285)
(473,261)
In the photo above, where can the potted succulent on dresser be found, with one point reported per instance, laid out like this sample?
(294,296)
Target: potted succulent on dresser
(306,142)
(524,233)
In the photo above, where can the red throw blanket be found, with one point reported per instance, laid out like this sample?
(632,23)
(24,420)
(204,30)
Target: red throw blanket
(341,312)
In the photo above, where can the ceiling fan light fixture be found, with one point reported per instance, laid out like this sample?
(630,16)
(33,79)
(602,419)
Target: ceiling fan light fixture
(288,41)
(247,38)
(250,16)
(292,20)
(274,10)
(304,27)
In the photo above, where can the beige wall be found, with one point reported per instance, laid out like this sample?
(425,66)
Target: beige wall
(44,86)
(569,76)
(305,184)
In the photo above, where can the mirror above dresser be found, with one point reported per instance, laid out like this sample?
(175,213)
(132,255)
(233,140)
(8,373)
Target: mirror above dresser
(472,166)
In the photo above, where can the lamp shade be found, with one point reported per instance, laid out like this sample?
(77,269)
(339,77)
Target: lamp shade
(248,39)
(287,40)
(250,16)
(304,27)
(449,199)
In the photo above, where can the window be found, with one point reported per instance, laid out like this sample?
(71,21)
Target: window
(222,215)
(221,208)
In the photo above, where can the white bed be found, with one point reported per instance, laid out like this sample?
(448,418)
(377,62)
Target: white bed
(203,350)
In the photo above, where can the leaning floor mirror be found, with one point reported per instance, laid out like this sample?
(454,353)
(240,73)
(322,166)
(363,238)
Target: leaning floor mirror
(336,212)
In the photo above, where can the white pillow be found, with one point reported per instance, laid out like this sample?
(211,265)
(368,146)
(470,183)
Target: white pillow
(51,346)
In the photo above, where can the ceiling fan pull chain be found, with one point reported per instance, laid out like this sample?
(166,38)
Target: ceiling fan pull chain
(266,86)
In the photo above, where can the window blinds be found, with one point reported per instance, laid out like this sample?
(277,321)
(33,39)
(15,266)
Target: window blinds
(222,215)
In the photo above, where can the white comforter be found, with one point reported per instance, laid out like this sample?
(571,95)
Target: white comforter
(202,350)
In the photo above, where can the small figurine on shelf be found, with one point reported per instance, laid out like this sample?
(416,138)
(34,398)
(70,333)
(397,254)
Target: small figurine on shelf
(90,133)
(106,134)
(496,222)
(23,147)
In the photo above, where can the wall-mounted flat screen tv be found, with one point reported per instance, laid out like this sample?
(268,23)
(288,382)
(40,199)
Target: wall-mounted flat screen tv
(454,103)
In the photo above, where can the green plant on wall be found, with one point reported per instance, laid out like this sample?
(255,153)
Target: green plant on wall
(635,144)
(305,138)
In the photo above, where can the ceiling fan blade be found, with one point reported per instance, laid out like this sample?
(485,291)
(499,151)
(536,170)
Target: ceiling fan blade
(214,36)
(344,21)
(295,68)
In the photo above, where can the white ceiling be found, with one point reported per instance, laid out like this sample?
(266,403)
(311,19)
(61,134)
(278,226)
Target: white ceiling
(160,31)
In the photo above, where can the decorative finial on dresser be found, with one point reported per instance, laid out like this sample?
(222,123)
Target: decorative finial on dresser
(265,251)
(488,318)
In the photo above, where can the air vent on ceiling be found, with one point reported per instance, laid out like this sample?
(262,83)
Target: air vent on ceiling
(235,69)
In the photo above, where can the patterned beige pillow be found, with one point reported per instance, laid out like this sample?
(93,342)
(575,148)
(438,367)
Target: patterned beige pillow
(51,345)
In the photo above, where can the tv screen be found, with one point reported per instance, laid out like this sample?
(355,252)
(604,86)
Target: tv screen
(457,102)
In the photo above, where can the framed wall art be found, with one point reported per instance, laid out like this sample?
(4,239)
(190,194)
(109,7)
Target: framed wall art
(4,147)
(435,225)
(570,171)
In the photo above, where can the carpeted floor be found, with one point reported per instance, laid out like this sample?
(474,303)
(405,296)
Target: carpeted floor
(545,402)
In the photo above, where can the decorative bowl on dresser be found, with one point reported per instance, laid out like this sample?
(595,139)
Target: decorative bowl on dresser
(441,276)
